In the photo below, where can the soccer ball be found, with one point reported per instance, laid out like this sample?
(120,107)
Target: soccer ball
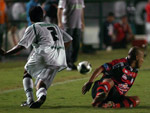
(84,67)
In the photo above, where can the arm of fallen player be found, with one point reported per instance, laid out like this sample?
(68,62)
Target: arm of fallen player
(88,84)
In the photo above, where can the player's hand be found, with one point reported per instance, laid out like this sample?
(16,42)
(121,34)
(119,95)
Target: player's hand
(82,27)
(86,87)
(2,52)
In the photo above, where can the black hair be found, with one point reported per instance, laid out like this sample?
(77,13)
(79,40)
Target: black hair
(133,52)
(36,14)
(110,14)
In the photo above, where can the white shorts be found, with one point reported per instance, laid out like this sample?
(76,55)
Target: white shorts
(47,76)
(38,69)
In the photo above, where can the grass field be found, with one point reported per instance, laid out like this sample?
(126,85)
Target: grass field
(64,96)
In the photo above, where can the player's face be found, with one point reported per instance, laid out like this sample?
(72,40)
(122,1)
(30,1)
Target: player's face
(140,59)
(111,18)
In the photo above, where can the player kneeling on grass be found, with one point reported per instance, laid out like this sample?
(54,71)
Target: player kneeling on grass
(118,77)
(47,59)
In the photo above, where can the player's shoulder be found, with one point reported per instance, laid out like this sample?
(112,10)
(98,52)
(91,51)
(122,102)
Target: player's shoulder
(117,61)
(29,28)
(45,24)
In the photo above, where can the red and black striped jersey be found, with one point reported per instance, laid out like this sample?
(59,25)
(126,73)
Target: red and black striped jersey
(121,73)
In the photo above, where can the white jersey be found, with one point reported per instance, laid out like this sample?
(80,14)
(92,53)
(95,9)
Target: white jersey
(48,44)
(72,12)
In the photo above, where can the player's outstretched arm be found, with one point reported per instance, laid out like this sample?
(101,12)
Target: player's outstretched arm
(14,50)
(86,87)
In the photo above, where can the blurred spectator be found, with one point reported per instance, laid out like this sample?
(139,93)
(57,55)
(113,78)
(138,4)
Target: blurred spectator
(119,8)
(123,33)
(71,18)
(147,8)
(18,10)
(3,21)
(30,4)
(131,15)
(13,38)
(108,31)
(50,8)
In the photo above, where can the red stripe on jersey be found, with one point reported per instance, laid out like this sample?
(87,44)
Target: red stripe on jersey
(129,73)
(114,62)
(101,87)
(127,81)
(105,83)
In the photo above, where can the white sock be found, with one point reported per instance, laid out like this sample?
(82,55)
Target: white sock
(42,91)
(28,88)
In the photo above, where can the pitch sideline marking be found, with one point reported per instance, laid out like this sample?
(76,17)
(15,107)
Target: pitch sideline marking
(55,84)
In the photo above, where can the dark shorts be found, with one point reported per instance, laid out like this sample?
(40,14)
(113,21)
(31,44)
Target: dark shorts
(113,95)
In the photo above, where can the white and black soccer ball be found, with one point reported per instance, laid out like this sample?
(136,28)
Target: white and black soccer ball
(84,67)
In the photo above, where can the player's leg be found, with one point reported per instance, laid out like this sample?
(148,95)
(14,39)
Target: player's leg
(40,93)
(28,88)
(130,101)
(125,102)
(69,51)
(43,83)
(102,91)
(75,45)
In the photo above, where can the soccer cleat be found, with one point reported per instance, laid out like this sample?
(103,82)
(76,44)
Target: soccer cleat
(25,104)
(74,67)
(98,99)
(38,103)
(69,69)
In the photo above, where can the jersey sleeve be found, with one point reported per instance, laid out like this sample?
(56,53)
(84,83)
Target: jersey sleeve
(62,4)
(106,68)
(83,6)
(66,36)
(27,38)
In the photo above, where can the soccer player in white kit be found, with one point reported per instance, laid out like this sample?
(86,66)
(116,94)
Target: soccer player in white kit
(48,56)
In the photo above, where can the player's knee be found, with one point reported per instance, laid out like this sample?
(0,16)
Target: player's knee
(137,100)
(110,81)
(26,75)
(40,84)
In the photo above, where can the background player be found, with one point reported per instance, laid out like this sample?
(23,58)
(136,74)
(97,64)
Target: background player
(119,76)
(47,59)
(70,16)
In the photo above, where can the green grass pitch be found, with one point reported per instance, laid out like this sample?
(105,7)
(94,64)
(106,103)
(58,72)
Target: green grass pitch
(64,96)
